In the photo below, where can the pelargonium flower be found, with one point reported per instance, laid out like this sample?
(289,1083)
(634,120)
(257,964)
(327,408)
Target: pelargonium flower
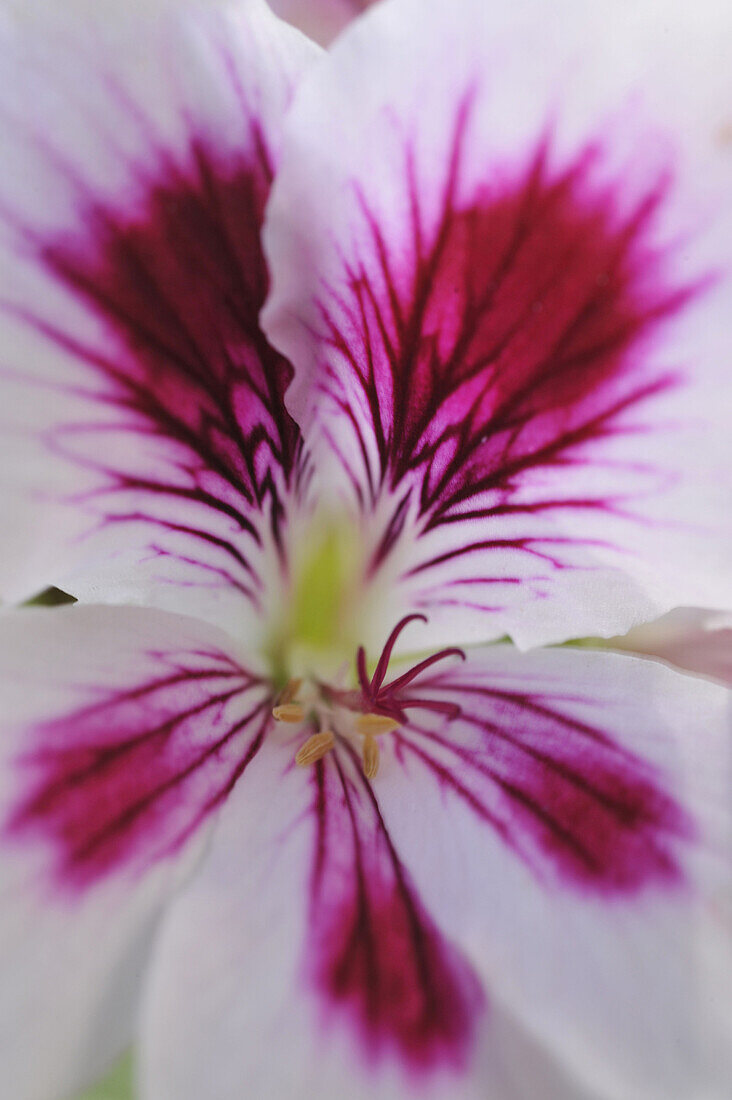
(303,820)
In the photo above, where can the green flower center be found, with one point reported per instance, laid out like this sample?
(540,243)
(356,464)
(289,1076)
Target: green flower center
(317,624)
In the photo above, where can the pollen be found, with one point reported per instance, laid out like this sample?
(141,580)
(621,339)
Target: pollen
(370,756)
(315,748)
(371,724)
(288,712)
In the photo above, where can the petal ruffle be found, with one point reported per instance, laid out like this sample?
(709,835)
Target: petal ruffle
(500,260)
(146,451)
(572,829)
(306,965)
(123,731)
(322,20)
(690,638)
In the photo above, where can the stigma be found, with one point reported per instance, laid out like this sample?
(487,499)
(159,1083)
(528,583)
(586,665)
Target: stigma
(375,708)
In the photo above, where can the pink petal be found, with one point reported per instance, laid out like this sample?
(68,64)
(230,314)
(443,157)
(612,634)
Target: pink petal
(157,731)
(123,731)
(143,405)
(376,957)
(572,827)
(319,948)
(556,788)
(504,299)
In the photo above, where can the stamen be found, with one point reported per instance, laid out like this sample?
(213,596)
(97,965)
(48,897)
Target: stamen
(288,712)
(370,724)
(289,692)
(370,755)
(315,748)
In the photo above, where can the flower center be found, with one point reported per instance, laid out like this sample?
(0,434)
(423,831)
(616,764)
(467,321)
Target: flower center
(320,599)
(329,712)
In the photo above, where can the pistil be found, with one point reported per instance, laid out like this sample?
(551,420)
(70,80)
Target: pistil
(372,709)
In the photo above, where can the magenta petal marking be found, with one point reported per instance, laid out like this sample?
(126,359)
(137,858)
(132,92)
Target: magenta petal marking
(559,791)
(375,956)
(177,279)
(125,781)
(508,336)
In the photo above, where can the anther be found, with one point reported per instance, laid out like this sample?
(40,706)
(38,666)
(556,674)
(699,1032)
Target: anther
(370,724)
(288,712)
(370,756)
(315,748)
(289,692)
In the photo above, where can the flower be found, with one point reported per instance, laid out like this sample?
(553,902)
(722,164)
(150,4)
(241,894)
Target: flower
(303,821)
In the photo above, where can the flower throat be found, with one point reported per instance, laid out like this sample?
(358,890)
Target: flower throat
(365,712)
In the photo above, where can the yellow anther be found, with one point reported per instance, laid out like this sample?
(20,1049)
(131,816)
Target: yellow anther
(315,748)
(288,712)
(289,692)
(370,724)
(370,756)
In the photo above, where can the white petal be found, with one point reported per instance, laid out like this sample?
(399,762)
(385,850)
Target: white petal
(123,730)
(240,997)
(146,452)
(689,638)
(482,232)
(320,19)
(573,829)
